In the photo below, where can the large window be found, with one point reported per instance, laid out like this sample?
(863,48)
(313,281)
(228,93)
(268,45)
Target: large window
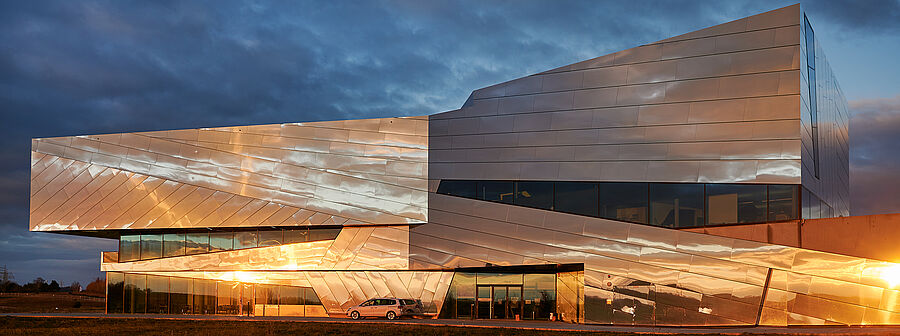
(296,235)
(736,203)
(135,297)
(179,296)
(196,243)
(292,296)
(115,284)
(527,296)
(204,296)
(457,188)
(309,297)
(323,234)
(496,191)
(676,205)
(245,239)
(129,248)
(538,194)
(221,241)
(157,294)
(151,246)
(579,198)
(813,100)
(270,237)
(783,203)
(175,244)
(624,201)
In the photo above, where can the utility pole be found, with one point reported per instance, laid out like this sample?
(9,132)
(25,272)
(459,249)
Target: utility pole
(5,276)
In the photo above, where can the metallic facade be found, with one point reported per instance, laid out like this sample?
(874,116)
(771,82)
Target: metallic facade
(726,104)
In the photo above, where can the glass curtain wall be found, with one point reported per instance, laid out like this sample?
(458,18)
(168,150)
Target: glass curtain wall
(676,205)
(736,203)
(500,296)
(673,205)
(152,246)
(115,284)
(624,201)
(149,294)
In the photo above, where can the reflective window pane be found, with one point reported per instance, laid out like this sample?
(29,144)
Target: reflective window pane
(323,234)
(115,284)
(296,236)
(496,191)
(179,295)
(783,202)
(310,297)
(291,295)
(736,203)
(221,241)
(535,194)
(624,201)
(576,197)
(135,294)
(228,294)
(173,244)
(676,205)
(457,188)
(245,239)
(196,243)
(539,296)
(498,279)
(204,297)
(270,237)
(151,246)
(157,294)
(129,248)
(268,294)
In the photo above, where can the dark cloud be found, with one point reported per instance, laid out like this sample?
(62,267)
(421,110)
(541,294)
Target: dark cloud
(875,156)
(854,16)
(87,67)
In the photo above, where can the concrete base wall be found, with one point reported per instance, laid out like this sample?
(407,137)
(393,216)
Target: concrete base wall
(873,236)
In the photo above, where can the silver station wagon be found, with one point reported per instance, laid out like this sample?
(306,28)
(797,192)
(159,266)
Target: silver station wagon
(391,308)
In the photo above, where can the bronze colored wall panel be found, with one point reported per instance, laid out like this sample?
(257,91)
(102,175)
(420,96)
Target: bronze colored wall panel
(870,236)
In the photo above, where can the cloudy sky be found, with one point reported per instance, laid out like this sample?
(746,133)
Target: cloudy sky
(86,67)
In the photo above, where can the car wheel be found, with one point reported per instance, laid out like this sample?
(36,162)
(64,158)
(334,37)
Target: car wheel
(391,315)
(354,315)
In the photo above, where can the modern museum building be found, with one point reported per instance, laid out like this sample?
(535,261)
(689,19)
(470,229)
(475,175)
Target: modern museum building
(692,181)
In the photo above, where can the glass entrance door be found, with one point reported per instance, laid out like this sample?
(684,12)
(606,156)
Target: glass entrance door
(500,309)
(499,301)
(484,302)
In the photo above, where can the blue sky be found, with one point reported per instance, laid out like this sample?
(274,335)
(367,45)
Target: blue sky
(86,67)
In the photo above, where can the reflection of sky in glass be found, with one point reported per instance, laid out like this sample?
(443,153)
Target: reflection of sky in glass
(244,240)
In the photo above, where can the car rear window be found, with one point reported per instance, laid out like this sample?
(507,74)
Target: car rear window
(386,302)
(409,302)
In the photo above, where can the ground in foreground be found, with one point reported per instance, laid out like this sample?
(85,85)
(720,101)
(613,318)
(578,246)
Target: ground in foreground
(50,303)
(122,326)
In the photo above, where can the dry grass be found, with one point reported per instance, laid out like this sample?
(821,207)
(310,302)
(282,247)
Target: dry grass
(116,326)
(49,303)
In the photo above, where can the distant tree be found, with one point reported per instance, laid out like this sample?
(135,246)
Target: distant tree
(75,287)
(98,286)
(35,286)
(10,287)
(53,287)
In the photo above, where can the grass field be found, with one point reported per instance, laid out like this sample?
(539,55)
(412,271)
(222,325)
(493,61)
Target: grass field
(108,326)
(49,303)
